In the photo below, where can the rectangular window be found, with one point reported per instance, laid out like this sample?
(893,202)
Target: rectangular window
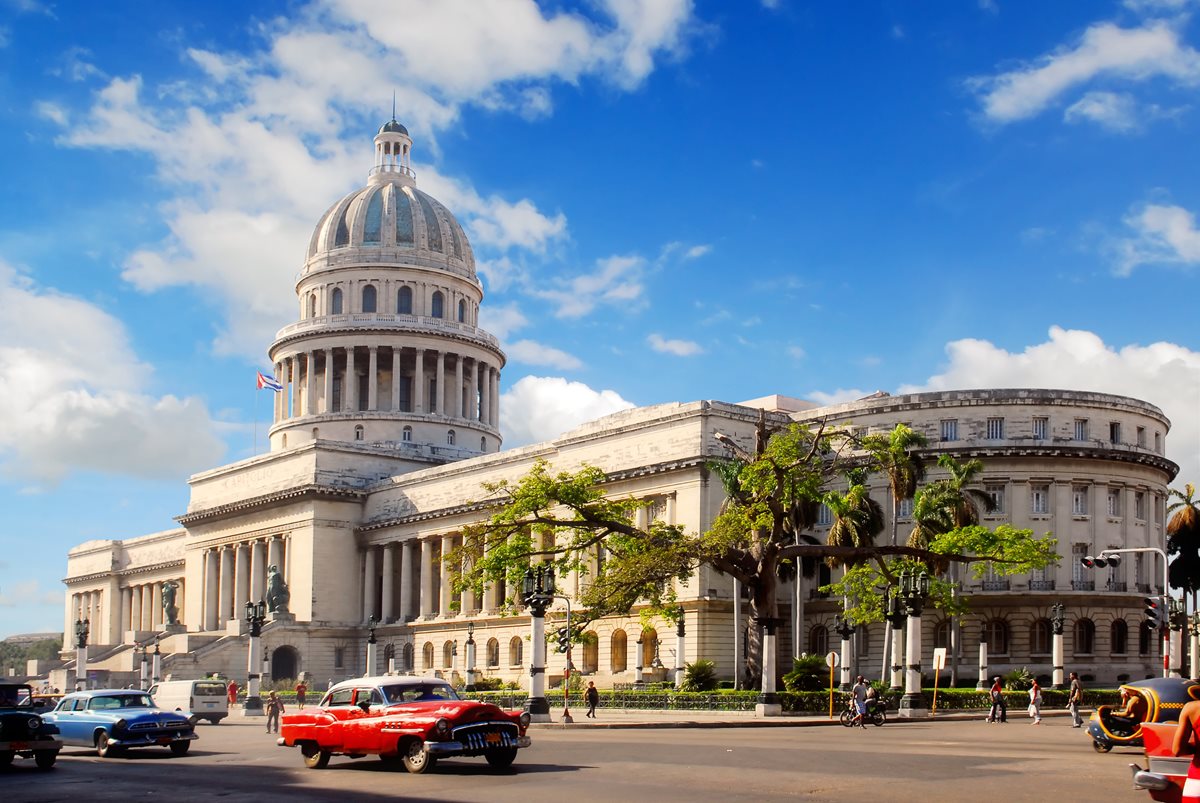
(337,658)
(1041,427)
(1141,437)
(1079,500)
(1139,505)
(995,429)
(1158,442)
(1081,429)
(1114,502)
(824,516)
(950,429)
(905,509)
(1114,432)
(1041,499)
(997,494)
(1078,572)
(1139,569)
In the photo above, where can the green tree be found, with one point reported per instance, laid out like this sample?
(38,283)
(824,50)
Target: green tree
(1183,539)
(895,455)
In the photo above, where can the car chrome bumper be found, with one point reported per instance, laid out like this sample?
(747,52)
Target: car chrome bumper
(1145,779)
(442,749)
(23,745)
(150,741)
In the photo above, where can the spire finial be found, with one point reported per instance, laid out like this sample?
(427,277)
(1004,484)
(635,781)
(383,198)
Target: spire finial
(393,105)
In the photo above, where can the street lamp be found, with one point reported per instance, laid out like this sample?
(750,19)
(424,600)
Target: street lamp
(372,623)
(156,667)
(680,643)
(914,588)
(82,627)
(843,628)
(142,657)
(1056,658)
(537,595)
(470,656)
(256,615)
(896,616)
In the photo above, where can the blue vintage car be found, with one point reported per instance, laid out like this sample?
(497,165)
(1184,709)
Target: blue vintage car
(112,720)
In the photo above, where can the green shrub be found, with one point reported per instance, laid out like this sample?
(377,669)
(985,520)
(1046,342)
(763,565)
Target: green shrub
(488,684)
(809,673)
(1018,679)
(700,676)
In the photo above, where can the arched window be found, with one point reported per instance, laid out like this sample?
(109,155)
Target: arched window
(1119,637)
(316,433)
(493,652)
(427,655)
(941,634)
(284,439)
(404,301)
(1041,637)
(312,305)
(1145,638)
(358,432)
(450,437)
(335,303)
(368,298)
(995,633)
(408,657)
(516,651)
(591,652)
(447,655)
(649,649)
(483,444)
(618,651)
(818,640)
(437,309)
(1085,637)
(462,311)
(406,434)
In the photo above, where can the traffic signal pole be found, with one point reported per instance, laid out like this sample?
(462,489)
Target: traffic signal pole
(1164,618)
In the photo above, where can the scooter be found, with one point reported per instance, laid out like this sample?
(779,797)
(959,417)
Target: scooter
(876,713)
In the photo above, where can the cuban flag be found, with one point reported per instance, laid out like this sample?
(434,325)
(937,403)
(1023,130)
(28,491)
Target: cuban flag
(268,381)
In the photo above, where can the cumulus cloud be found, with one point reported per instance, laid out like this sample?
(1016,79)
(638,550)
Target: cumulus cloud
(617,281)
(1111,110)
(541,408)
(679,348)
(72,396)
(1163,234)
(1105,50)
(531,352)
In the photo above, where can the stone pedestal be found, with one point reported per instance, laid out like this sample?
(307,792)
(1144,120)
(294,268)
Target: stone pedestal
(282,617)
(172,630)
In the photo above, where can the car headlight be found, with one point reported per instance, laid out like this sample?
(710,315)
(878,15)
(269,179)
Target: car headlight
(35,723)
(442,726)
(524,719)
(119,724)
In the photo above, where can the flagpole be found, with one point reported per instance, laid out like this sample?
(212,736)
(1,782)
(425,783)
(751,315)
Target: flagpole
(256,395)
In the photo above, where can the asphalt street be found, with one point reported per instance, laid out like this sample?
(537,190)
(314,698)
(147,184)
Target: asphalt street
(901,761)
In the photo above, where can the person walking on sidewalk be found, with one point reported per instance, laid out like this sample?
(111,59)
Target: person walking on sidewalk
(592,696)
(301,693)
(999,712)
(1073,701)
(232,691)
(859,695)
(1035,703)
(274,708)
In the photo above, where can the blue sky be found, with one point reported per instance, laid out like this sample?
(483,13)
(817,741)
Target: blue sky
(669,201)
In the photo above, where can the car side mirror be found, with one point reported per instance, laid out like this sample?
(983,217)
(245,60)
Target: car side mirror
(365,705)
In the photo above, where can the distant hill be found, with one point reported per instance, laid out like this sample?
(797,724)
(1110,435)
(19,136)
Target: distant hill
(30,638)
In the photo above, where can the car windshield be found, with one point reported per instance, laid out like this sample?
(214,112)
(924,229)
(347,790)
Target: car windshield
(109,701)
(418,692)
(16,696)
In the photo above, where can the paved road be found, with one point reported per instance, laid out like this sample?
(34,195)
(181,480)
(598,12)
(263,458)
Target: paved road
(902,761)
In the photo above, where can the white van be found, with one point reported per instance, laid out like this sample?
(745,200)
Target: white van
(205,698)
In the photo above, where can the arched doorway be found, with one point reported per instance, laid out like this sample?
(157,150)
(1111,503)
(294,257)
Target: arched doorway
(285,663)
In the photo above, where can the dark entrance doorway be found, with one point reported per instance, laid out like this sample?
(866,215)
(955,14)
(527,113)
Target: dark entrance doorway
(285,663)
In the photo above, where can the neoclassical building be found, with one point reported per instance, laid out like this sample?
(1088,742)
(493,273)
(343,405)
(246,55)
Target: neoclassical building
(387,428)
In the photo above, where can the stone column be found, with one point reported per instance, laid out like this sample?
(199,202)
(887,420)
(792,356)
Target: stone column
(373,378)
(407,564)
(473,395)
(387,612)
(369,572)
(242,580)
(439,398)
(912,704)
(210,589)
(444,577)
(135,609)
(419,383)
(426,578)
(226,586)
(258,571)
(1056,660)
(329,380)
(310,383)
(456,408)
(278,397)
(496,397)
(126,609)
(395,378)
(156,611)
(294,373)
(467,603)
(350,392)
(485,395)
(147,607)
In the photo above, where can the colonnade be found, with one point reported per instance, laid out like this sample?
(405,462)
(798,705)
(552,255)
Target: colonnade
(88,605)
(140,608)
(398,379)
(235,574)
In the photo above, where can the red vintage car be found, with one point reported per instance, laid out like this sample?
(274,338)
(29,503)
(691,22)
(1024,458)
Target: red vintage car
(409,720)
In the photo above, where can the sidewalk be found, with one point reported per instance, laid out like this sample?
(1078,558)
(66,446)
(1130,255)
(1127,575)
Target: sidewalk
(617,718)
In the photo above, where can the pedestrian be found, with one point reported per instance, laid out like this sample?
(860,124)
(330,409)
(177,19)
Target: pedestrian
(301,691)
(859,695)
(999,712)
(592,695)
(1073,701)
(1184,745)
(1035,702)
(232,690)
(274,708)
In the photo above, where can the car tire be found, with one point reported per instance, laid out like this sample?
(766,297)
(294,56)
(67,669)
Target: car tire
(193,720)
(502,758)
(45,758)
(180,748)
(416,760)
(314,757)
(6,757)
(1101,747)
(104,747)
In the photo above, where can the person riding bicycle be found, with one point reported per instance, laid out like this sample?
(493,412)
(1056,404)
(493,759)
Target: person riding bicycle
(859,695)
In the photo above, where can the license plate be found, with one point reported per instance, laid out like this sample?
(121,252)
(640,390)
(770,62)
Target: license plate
(210,705)
(164,740)
(19,745)
(492,738)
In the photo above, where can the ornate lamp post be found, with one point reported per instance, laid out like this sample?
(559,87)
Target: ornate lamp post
(538,595)
(1178,625)
(372,623)
(914,587)
(1056,657)
(843,628)
(896,616)
(82,627)
(638,668)
(142,658)
(256,615)
(680,643)
(470,656)
(768,704)
(156,667)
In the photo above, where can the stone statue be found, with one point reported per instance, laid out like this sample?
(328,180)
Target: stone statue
(170,610)
(277,591)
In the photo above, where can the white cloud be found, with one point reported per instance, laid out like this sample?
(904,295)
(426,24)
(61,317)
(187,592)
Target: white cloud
(1154,6)
(1104,50)
(1111,110)
(1165,374)
(531,352)
(502,321)
(697,251)
(72,396)
(51,111)
(1163,234)
(540,408)
(616,281)
(679,348)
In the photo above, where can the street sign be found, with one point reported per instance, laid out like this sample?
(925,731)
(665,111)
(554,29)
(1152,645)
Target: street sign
(939,658)
(831,659)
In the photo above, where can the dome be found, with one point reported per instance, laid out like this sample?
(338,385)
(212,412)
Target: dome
(393,127)
(393,223)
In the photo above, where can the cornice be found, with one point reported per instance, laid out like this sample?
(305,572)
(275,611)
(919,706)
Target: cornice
(308,491)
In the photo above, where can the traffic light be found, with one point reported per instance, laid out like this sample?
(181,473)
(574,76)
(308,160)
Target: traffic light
(564,639)
(1090,563)
(1154,611)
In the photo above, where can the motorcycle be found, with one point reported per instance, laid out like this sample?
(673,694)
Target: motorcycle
(1154,700)
(876,712)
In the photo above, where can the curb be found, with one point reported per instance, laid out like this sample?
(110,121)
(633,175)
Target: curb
(772,722)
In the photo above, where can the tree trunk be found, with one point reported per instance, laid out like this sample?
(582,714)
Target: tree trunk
(763,606)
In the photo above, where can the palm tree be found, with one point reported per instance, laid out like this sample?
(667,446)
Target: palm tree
(857,518)
(949,504)
(1183,539)
(894,455)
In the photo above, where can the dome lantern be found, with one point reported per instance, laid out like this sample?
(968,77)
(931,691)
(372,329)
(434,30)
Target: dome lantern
(393,146)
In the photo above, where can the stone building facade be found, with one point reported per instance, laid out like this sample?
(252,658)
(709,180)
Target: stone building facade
(387,428)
